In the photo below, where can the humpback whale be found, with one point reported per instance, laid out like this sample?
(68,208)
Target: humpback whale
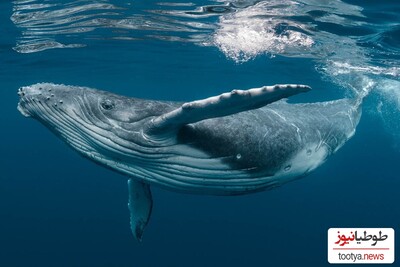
(238,142)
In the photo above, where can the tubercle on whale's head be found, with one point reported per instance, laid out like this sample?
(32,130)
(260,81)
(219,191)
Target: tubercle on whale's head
(36,99)
(44,100)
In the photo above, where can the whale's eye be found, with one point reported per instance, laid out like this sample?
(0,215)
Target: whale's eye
(107,104)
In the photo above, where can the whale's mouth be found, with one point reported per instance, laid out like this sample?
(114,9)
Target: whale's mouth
(21,105)
(23,110)
(46,103)
(35,99)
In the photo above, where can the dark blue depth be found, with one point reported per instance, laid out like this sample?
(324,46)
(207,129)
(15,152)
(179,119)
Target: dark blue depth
(58,209)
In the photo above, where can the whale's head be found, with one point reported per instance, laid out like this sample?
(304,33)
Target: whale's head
(91,121)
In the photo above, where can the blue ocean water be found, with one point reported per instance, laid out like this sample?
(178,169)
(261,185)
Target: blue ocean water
(58,209)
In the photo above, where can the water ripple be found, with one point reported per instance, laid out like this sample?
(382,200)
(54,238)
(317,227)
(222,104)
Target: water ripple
(61,24)
(329,30)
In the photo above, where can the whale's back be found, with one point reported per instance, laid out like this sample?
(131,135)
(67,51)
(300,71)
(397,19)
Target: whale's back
(266,139)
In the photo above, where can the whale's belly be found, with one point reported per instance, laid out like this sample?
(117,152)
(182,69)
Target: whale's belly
(243,153)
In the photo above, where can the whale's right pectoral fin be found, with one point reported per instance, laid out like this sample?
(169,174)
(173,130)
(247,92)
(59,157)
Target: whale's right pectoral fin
(140,205)
(222,105)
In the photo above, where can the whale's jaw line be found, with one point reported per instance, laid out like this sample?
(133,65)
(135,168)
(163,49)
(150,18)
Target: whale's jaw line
(23,111)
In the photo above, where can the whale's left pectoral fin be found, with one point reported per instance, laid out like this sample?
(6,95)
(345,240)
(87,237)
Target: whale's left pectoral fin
(223,105)
(140,205)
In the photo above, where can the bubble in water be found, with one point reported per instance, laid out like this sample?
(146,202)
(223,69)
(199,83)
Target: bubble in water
(238,156)
(287,168)
(217,9)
